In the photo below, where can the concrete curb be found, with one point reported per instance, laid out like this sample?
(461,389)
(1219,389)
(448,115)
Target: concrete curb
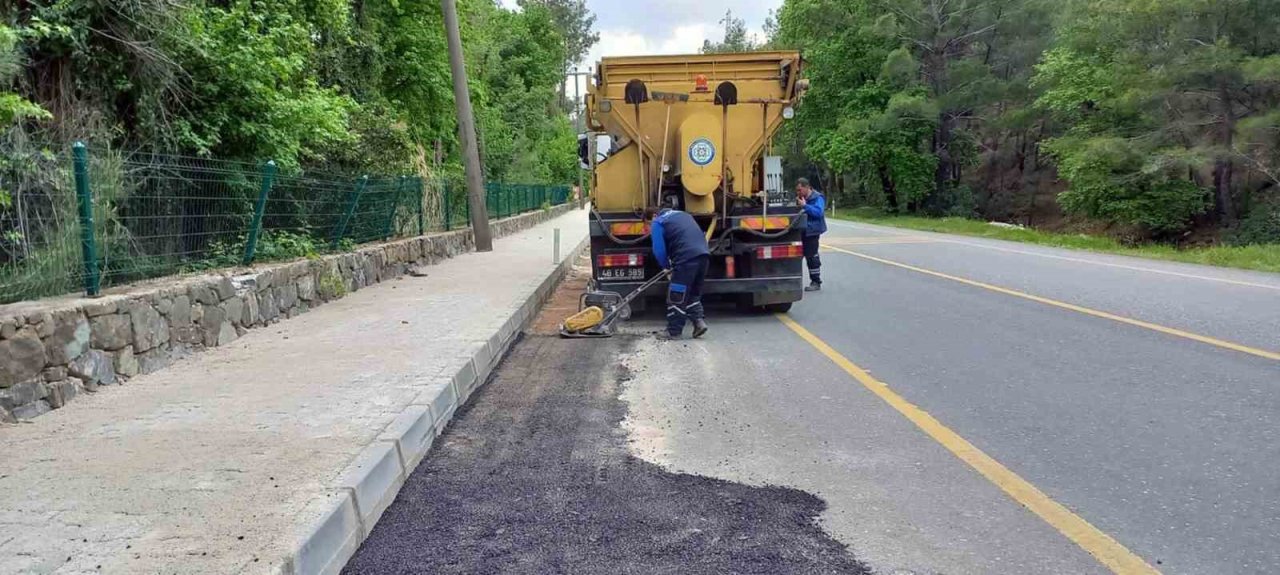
(373,479)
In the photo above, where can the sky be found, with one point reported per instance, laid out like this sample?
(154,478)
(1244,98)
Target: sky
(640,27)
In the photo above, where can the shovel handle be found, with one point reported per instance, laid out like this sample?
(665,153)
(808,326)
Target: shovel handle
(634,294)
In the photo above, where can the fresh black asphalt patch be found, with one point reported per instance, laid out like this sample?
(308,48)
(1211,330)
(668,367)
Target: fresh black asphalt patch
(535,477)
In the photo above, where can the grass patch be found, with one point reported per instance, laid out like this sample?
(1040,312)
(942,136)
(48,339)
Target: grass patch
(1258,257)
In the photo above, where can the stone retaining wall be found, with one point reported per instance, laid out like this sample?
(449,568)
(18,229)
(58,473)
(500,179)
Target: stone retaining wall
(52,350)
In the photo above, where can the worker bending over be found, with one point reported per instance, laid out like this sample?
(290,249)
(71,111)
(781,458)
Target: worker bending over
(815,207)
(678,245)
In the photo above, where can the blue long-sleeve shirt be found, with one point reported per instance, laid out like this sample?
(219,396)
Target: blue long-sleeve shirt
(815,208)
(677,238)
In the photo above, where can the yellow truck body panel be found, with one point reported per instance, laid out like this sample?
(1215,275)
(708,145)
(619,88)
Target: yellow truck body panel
(702,120)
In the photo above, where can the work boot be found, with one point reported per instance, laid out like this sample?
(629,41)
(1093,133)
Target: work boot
(668,336)
(815,286)
(699,328)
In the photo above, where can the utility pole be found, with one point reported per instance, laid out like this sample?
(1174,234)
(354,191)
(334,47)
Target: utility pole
(467,130)
(580,115)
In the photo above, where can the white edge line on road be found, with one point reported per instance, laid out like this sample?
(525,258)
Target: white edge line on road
(1263,353)
(948,239)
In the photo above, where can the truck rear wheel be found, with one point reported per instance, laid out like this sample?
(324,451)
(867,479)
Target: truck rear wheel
(776,307)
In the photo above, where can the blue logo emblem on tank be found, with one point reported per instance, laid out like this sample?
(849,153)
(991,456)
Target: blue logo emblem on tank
(702,152)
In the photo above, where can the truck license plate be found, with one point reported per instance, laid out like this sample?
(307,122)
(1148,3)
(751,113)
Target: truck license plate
(622,274)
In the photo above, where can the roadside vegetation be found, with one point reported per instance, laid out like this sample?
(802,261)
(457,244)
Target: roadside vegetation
(1265,257)
(359,87)
(332,88)
(1158,121)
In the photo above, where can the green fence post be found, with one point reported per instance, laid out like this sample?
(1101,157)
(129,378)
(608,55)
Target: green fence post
(395,204)
(88,242)
(353,199)
(444,200)
(268,178)
(422,224)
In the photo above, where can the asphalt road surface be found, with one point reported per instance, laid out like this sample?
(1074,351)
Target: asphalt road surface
(945,405)
(535,477)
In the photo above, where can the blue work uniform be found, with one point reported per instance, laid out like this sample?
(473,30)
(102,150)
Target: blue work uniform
(815,208)
(679,245)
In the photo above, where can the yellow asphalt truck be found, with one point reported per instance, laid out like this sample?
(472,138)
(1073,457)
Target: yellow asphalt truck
(694,133)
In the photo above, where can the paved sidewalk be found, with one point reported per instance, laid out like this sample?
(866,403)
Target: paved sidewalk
(216,464)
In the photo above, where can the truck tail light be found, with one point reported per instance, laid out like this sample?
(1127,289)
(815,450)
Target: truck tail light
(730,267)
(780,252)
(620,260)
(765,224)
(628,228)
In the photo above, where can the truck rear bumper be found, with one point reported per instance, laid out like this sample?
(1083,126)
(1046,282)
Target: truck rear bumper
(763,290)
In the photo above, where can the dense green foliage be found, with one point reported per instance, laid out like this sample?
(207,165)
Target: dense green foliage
(1154,117)
(335,84)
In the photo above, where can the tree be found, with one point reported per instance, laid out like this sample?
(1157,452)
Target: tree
(1179,83)
(887,62)
(967,71)
(736,38)
(320,84)
(575,22)
(13,108)
(867,115)
(525,136)
(1154,116)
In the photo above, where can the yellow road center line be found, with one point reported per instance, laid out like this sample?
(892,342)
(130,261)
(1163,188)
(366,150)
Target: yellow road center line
(1076,308)
(1106,550)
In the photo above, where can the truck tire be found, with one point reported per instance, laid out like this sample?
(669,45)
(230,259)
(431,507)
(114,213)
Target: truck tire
(776,307)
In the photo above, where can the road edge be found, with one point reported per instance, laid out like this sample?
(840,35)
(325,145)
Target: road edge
(372,480)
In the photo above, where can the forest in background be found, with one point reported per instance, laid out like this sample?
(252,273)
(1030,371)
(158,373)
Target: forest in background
(1146,119)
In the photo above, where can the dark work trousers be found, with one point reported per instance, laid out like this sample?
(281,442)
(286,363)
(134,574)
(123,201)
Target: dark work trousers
(684,297)
(812,259)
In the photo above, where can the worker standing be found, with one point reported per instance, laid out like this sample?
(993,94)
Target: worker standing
(678,245)
(814,205)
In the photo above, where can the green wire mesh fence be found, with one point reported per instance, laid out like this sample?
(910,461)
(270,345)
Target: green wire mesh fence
(151,215)
(502,200)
